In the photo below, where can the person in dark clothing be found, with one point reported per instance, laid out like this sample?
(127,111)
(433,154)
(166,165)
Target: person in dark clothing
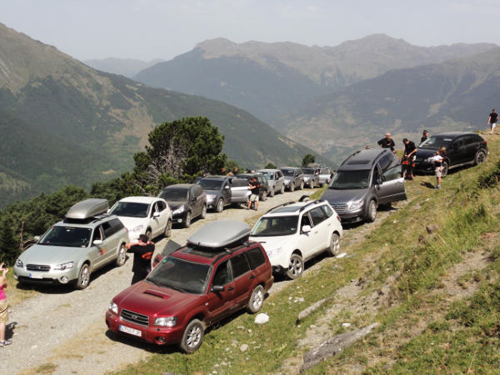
(492,120)
(143,252)
(408,158)
(255,188)
(387,142)
(425,136)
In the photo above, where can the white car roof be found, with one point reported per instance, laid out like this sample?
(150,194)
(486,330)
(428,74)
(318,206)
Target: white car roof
(291,208)
(147,200)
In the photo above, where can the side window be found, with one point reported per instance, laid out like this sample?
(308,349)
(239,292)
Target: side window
(376,175)
(458,143)
(393,173)
(240,265)
(222,274)
(385,161)
(97,234)
(305,220)
(160,206)
(255,257)
(327,210)
(317,215)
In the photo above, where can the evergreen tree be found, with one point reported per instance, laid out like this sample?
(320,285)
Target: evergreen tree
(308,159)
(9,248)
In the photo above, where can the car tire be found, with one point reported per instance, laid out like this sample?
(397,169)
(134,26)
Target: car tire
(264,196)
(219,207)
(371,215)
(321,185)
(168,229)
(292,187)
(296,267)
(203,211)
(272,192)
(282,191)
(121,256)
(480,157)
(446,167)
(83,280)
(148,233)
(334,247)
(192,337)
(301,186)
(187,220)
(256,299)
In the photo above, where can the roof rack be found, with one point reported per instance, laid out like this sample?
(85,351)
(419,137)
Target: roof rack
(281,205)
(310,203)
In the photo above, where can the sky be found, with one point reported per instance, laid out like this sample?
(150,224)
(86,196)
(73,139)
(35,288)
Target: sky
(151,29)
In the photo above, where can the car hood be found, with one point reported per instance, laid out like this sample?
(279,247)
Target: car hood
(425,153)
(343,196)
(270,243)
(132,222)
(175,205)
(149,299)
(42,254)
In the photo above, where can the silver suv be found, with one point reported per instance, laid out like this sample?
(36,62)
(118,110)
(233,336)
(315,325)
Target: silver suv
(294,178)
(86,240)
(275,179)
(224,190)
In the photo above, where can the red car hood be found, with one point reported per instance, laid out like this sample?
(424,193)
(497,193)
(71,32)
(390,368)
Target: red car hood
(149,299)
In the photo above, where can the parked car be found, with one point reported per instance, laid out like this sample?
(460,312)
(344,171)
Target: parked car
(275,179)
(462,148)
(187,202)
(86,240)
(224,190)
(294,178)
(144,215)
(216,274)
(364,180)
(325,176)
(265,188)
(311,177)
(293,233)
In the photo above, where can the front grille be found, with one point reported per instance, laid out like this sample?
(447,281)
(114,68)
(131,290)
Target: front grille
(37,267)
(134,317)
(340,208)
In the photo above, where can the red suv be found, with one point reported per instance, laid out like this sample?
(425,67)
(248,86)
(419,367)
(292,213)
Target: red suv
(217,273)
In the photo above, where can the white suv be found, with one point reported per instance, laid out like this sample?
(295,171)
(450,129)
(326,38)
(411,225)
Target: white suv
(144,215)
(293,233)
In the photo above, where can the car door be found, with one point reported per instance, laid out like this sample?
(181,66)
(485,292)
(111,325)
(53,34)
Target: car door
(458,152)
(219,301)
(196,200)
(391,187)
(321,229)
(159,217)
(243,279)
(309,241)
(226,192)
(280,180)
(99,253)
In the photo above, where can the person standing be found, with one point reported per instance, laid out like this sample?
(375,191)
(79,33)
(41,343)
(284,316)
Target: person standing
(4,313)
(255,189)
(492,120)
(425,136)
(438,159)
(143,252)
(387,142)
(408,157)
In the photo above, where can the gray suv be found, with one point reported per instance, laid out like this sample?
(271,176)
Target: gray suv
(187,201)
(224,190)
(86,240)
(275,179)
(294,178)
(365,180)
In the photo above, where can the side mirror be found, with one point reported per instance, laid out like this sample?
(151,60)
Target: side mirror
(226,187)
(156,214)
(37,238)
(97,243)
(306,229)
(379,181)
(217,288)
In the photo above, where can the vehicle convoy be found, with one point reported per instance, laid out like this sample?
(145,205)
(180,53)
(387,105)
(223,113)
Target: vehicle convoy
(294,178)
(264,187)
(187,202)
(294,232)
(224,190)
(275,179)
(144,215)
(216,274)
(462,149)
(365,180)
(86,240)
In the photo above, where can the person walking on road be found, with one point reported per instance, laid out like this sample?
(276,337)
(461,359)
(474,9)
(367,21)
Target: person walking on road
(492,120)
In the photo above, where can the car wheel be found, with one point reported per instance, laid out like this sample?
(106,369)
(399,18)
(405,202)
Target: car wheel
(446,167)
(204,211)
(264,196)
(296,267)
(219,207)
(372,211)
(122,256)
(321,185)
(192,336)
(83,277)
(282,191)
(148,233)
(292,187)
(187,220)
(301,186)
(168,229)
(272,192)
(480,157)
(334,247)
(256,299)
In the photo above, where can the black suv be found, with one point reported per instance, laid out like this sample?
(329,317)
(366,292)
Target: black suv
(187,201)
(462,148)
(365,180)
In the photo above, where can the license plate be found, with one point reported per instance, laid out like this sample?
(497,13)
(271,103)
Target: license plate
(131,331)
(36,276)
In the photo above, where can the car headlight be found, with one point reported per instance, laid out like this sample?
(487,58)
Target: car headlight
(64,266)
(180,210)
(275,252)
(170,321)
(211,196)
(113,307)
(356,205)
(137,228)
(19,263)
(287,182)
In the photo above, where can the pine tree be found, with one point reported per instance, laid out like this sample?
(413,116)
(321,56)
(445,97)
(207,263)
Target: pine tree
(9,248)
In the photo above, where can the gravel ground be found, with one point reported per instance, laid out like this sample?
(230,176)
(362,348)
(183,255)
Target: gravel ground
(62,331)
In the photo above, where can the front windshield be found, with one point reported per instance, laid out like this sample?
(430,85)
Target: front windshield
(130,209)
(67,236)
(269,175)
(308,170)
(435,143)
(174,195)
(288,172)
(275,226)
(351,180)
(181,275)
(210,184)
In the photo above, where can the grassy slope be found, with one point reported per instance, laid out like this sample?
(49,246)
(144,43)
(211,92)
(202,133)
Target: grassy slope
(436,296)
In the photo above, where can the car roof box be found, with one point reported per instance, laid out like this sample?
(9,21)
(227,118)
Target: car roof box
(88,208)
(221,233)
